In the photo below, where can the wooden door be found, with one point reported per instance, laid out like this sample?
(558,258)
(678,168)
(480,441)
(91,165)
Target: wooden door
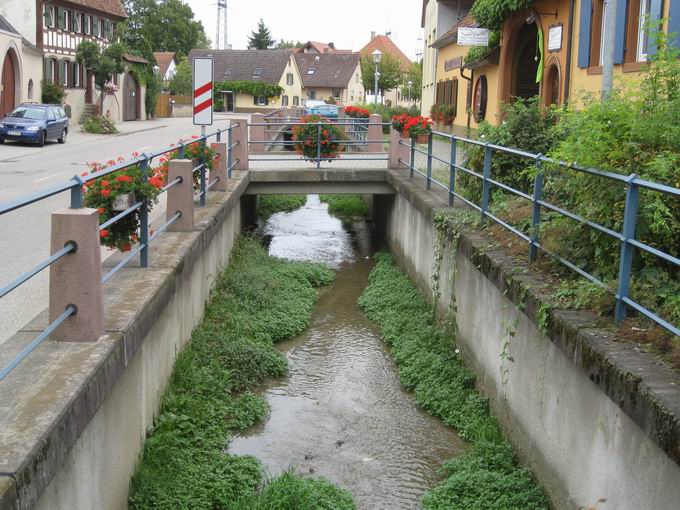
(8,95)
(229,106)
(130,92)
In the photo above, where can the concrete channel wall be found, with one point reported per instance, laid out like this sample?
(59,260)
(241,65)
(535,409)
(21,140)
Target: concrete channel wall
(72,436)
(592,441)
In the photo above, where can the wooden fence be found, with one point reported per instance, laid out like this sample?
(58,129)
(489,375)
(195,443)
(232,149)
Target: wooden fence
(164,104)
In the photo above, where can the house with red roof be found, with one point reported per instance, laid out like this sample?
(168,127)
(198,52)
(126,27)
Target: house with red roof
(167,63)
(386,46)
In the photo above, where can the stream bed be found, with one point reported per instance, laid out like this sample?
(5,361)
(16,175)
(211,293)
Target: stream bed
(341,412)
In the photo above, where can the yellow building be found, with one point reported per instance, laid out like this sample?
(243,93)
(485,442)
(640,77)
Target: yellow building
(334,77)
(571,32)
(270,67)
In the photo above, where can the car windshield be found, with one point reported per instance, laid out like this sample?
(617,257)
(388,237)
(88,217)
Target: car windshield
(29,112)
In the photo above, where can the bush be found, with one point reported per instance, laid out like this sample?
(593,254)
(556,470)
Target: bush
(52,92)
(101,125)
(346,206)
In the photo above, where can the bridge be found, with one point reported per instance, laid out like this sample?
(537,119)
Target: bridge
(81,383)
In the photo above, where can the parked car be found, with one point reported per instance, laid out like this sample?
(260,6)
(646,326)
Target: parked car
(310,104)
(35,123)
(330,111)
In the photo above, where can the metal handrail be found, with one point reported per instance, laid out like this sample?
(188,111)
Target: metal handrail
(626,237)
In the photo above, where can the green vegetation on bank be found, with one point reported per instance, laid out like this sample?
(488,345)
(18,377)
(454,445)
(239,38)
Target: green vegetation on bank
(488,476)
(258,301)
(346,206)
(271,204)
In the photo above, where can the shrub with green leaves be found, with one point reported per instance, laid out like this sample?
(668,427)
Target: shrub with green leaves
(488,475)
(101,125)
(258,301)
(346,206)
(52,92)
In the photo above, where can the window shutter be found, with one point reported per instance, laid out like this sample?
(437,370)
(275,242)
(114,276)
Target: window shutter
(584,30)
(620,35)
(62,71)
(48,16)
(254,99)
(655,14)
(455,97)
(46,64)
(95,26)
(74,21)
(674,25)
(61,18)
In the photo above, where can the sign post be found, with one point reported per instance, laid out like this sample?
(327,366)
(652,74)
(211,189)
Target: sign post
(203,92)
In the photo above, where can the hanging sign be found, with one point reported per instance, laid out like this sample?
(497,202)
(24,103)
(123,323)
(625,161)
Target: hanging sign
(203,91)
(468,36)
(555,38)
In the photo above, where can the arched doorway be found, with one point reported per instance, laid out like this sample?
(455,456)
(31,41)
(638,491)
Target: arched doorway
(525,65)
(551,94)
(8,96)
(130,98)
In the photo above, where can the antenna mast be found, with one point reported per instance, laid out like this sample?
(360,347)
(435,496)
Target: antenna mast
(221,16)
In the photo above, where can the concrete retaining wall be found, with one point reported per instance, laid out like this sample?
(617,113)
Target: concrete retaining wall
(558,411)
(86,416)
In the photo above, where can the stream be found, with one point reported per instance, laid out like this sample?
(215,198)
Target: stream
(341,412)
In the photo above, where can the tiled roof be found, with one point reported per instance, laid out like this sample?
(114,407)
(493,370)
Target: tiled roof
(385,45)
(451,35)
(320,47)
(333,70)
(163,59)
(231,65)
(134,58)
(114,7)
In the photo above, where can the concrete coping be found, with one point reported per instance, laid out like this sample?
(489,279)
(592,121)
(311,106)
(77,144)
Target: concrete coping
(644,389)
(46,402)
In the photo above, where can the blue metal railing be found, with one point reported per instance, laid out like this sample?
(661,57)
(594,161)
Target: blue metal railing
(626,238)
(75,186)
(319,128)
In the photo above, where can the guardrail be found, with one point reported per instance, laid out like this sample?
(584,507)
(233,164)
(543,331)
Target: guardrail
(76,188)
(373,140)
(626,237)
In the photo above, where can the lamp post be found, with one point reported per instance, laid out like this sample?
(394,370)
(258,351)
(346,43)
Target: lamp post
(409,84)
(376,59)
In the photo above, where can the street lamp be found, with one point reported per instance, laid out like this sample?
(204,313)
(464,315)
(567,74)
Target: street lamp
(376,59)
(409,84)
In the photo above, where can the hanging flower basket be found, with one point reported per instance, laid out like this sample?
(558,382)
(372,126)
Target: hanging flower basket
(314,140)
(193,150)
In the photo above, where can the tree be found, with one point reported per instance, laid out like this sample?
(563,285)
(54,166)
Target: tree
(103,64)
(415,75)
(181,83)
(146,28)
(284,45)
(262,39)
(390,72)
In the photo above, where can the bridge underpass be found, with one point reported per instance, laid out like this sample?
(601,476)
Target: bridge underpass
(69,408)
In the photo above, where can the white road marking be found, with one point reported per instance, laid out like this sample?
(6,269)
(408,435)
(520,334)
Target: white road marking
(50,176)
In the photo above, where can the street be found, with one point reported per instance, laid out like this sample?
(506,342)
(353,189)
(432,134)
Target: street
(25,169)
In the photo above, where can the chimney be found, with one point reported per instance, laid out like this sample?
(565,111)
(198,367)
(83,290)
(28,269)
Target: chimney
(331,45)
(372,35)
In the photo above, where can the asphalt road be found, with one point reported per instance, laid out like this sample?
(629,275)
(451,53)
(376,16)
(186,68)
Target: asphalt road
(25,233)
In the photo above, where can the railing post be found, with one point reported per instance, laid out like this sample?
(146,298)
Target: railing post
(77,193)
(627,250)
(180,152)
(429,162)
(239,136)
(219,166)
(398,153)
(486,174)
(536,212)
(202,184)
(218,138)
(144,217)
(76,279)
(230,153)
(452,170)
(257,133)
(375,133)
(318,145)
(413,157)
(181,197)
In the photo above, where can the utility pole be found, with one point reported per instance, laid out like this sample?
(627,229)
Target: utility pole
(608,43)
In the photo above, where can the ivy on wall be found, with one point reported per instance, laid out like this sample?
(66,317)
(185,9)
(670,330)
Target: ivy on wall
(492,13)
(476,53)
(254,88)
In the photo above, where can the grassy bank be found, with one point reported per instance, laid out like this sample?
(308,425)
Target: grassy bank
(346,206)
(258,301)
(486,477)
(271,204)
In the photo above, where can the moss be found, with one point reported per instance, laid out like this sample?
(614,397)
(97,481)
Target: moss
(272,204)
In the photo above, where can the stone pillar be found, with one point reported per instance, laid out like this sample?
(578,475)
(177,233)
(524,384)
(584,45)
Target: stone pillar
(398,151)
(181,196)
(220,169)
(258,133)
(375,133)
(76,279)
(240,151)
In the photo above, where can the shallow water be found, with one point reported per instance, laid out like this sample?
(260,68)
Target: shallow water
(341,412)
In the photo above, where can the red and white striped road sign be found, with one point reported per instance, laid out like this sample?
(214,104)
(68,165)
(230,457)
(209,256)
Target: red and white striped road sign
(203,91)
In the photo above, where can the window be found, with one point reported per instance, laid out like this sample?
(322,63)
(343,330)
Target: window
(643,33)
(76,74)
(30,89)
(480,99)
(284,100)
(289,78)
(312,94)
(336,93)
(296,101)
(75,22)
(261,100)
(357,77)
(49,16)
(227,72)
(88,24)
(257,73)
(50,114)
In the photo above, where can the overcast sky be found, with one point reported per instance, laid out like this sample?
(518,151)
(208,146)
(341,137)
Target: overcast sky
(347,23)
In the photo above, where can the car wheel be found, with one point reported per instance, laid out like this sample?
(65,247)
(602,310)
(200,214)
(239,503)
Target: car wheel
(43,137)
(62,138)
